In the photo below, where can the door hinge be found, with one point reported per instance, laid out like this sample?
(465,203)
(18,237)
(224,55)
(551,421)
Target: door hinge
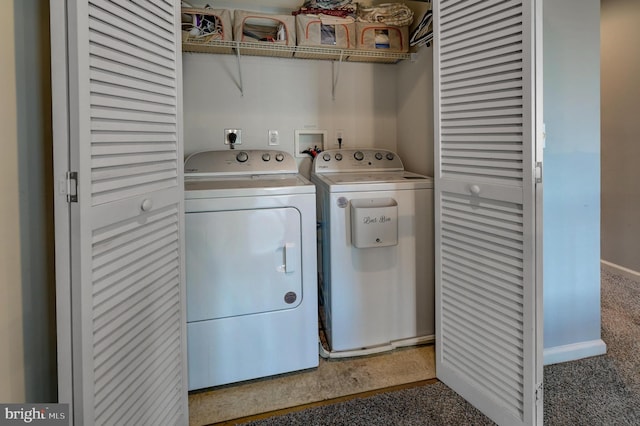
(72,187)
(538,172)
(539,391)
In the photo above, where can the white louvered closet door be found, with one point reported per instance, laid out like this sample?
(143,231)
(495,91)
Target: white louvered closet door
(488,281)
(128,325)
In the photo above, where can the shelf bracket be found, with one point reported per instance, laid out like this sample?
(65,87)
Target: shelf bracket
(240,85)
(336,75)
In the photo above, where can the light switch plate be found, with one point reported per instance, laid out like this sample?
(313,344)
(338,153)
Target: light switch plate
(274,137)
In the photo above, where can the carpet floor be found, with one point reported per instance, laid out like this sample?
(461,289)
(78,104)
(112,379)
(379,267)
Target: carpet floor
(602,390)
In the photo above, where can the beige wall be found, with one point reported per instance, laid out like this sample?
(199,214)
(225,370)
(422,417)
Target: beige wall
(620,68)
(33,102)
(12,386)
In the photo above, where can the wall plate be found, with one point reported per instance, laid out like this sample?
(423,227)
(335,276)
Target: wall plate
(238,133)
(274,138)
(309,139)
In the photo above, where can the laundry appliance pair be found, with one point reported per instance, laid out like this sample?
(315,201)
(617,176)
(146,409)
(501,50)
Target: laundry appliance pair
(252,260)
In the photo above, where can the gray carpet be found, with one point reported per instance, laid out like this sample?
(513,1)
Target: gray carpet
(603,390)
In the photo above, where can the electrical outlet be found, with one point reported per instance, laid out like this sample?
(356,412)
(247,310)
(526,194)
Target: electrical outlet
(274,137)
(227,137)
(339,136)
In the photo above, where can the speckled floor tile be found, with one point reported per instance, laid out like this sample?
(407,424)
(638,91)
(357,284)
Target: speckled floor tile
(333,378)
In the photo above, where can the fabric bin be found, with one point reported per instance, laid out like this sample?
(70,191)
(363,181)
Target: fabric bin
(203,25)
(202,28)
(381,37)
(314,31)
(269,29)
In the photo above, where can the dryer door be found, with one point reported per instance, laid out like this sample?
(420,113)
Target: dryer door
(242,262)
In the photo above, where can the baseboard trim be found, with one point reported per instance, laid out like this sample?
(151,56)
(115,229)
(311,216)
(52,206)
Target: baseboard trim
(574,351)
(617,269)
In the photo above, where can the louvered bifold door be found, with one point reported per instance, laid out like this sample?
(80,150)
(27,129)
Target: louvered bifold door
(128,307)
(484,76)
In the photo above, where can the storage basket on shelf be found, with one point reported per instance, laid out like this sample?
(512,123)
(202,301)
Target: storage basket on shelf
(202,28)
(384,27)
(382,37)
(270,30)
(325,31)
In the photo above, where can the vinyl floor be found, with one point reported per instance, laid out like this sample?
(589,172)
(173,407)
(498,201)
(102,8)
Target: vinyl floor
(332,379)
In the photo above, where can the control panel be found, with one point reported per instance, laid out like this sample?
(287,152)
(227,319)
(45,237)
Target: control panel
(234,162)
(354,160)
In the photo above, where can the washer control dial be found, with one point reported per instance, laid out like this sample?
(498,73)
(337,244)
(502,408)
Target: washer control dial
(358,155)
(378,156)
(242,157)
(390,156)
(266,156)
(279,157)
(338,156)
(326,157)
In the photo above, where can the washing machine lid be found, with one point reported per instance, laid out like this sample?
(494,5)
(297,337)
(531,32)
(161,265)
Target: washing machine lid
(373,181)
(375,177)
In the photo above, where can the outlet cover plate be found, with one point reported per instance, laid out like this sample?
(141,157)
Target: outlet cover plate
(238,133)
(274,137)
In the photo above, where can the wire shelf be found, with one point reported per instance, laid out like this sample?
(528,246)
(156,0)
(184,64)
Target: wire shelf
(300,52)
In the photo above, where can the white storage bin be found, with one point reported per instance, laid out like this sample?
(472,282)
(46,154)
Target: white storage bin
(374,222)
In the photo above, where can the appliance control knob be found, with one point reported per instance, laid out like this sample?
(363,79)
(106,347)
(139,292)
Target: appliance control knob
(279,157)
(266,156)
(390,156)
(242,157)
(378,156)
(358,155)
(326,157)
(338,156)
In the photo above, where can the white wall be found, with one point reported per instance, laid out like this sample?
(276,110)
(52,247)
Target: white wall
(415,112)
(572,180)
(286,95)
(12,384)
(620,129)
(415,103)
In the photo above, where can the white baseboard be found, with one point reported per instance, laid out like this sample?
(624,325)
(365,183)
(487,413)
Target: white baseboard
(574,351)
(617,269)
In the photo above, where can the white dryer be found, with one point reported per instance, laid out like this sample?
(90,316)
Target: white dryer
(376,261)
(250,267)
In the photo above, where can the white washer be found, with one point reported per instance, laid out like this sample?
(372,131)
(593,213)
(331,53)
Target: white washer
(250,267)
(376,261)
